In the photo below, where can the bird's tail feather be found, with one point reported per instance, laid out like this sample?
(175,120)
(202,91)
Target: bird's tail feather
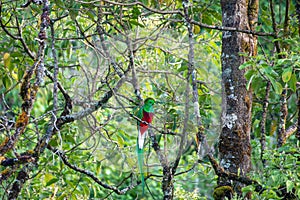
(140,154)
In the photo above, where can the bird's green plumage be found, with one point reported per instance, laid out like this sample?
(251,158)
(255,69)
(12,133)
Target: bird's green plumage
(140,114)
(148,106)
(140,154)
(146,109)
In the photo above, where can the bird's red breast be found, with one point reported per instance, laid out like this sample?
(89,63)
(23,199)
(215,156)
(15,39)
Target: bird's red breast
(147,117)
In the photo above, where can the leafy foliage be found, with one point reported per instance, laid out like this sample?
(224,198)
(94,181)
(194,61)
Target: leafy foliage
(101,48)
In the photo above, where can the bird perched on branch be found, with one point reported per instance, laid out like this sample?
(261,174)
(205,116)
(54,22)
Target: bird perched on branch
(145,114)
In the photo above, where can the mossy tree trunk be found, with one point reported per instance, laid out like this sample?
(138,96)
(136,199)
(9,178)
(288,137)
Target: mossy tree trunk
(234,142)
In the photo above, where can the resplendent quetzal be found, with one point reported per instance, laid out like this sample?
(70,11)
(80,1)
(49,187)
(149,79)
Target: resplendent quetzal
(146,114)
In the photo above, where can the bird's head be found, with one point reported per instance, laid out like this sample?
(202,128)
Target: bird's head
(148,105)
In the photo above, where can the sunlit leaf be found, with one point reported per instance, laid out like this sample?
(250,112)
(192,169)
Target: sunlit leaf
(6,59)
(196,29)
(289,185)
(287,73)
(120,140)
(49,179)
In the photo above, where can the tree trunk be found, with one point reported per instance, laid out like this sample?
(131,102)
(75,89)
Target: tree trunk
(234,142)
(167,183)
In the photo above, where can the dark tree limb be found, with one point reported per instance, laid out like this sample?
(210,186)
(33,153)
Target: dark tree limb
(19,160)
(68,101)
(16,188)
(232,176)
(274,25)
(29,90)
(232,29)
(28,93)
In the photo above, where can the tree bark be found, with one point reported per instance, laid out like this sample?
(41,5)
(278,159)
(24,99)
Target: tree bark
(234,141)
(167,183)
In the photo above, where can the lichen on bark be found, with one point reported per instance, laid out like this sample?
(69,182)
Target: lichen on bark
(234,142)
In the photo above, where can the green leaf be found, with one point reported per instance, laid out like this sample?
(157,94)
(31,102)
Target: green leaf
(249,73)
(73,13)
(62,196)
(91,14)
(289,185)
(287,73)
(256,83)
(182,68)
(7,60)
(276,85)
(278,88)
(49,179)
(136,23)
(6,81)
(50,182)
(135,12)
(270,71)
(120,140)
(293,83)
(281,61)
(86,189)
(70,138)
(60,4)
(245,65)
(249,82)
(20,73)
(247,189)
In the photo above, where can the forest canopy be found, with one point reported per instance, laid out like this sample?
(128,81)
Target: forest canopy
(224,77)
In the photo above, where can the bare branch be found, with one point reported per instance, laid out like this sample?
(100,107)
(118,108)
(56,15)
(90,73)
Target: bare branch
(224,28)
(68,100)
(274,24)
